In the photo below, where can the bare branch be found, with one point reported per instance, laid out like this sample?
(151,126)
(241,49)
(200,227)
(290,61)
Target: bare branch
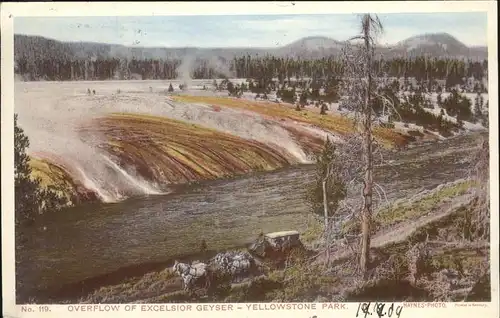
(383,191)
(388,102)
(357,37)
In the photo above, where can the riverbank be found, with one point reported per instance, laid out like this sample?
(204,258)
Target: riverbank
(393,275)
(153,230)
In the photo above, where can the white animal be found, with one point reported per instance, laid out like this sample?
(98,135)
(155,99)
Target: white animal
(192,274)
(235,264)
(188,281)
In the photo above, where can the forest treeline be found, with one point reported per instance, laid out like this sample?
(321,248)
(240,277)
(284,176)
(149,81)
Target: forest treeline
(454,71)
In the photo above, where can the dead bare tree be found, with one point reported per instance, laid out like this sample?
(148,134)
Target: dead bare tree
(481,175)
(358,88)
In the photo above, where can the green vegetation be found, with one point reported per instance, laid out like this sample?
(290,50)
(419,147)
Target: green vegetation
(54,176)
(333,123)
(314,230)
(414,108)
(402,212)
(32,198)
(296,283)
(406,211)
(328,168)
(459,106)
(459,259)
(134,289)
(303,282)
(481,110)
(55,63)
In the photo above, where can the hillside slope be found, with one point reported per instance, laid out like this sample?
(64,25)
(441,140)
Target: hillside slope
(432,45)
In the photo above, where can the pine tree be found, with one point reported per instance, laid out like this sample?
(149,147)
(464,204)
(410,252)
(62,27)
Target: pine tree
(303,98)
(478,107)
(323,108)
(30,198)
(329,188)
(485,119)
(26,189)
(439,99)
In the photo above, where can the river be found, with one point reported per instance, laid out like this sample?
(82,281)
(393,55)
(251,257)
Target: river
(88,241)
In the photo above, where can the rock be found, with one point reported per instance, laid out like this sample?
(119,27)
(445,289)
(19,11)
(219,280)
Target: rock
(449,273)
(321,299)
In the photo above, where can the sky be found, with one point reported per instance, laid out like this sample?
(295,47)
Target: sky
(247,31)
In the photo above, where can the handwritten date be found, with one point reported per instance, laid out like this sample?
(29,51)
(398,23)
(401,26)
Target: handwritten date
(379,309)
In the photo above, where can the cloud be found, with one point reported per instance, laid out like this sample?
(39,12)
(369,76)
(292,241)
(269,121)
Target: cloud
(247,31)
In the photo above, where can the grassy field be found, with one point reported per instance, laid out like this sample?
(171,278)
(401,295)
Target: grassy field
(408,210)
(331,122)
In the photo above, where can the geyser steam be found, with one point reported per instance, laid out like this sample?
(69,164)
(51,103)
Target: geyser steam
(184,71)
(56,123)
(53,128)
(190,62)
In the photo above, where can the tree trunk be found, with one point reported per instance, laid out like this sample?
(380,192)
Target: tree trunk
(86,70)
(367,197)
(367,158)
(327,236)
(325,206)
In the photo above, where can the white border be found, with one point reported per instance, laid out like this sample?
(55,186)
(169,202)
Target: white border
(9,10)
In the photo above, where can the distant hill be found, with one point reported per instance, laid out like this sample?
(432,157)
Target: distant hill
(438,45)
(310,47)
(431,45)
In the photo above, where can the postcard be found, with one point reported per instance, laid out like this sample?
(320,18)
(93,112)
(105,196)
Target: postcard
(285,159)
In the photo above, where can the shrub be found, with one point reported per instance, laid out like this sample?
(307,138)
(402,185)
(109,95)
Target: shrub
(327,168)
(458,105)
(288,96)
(323,109)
